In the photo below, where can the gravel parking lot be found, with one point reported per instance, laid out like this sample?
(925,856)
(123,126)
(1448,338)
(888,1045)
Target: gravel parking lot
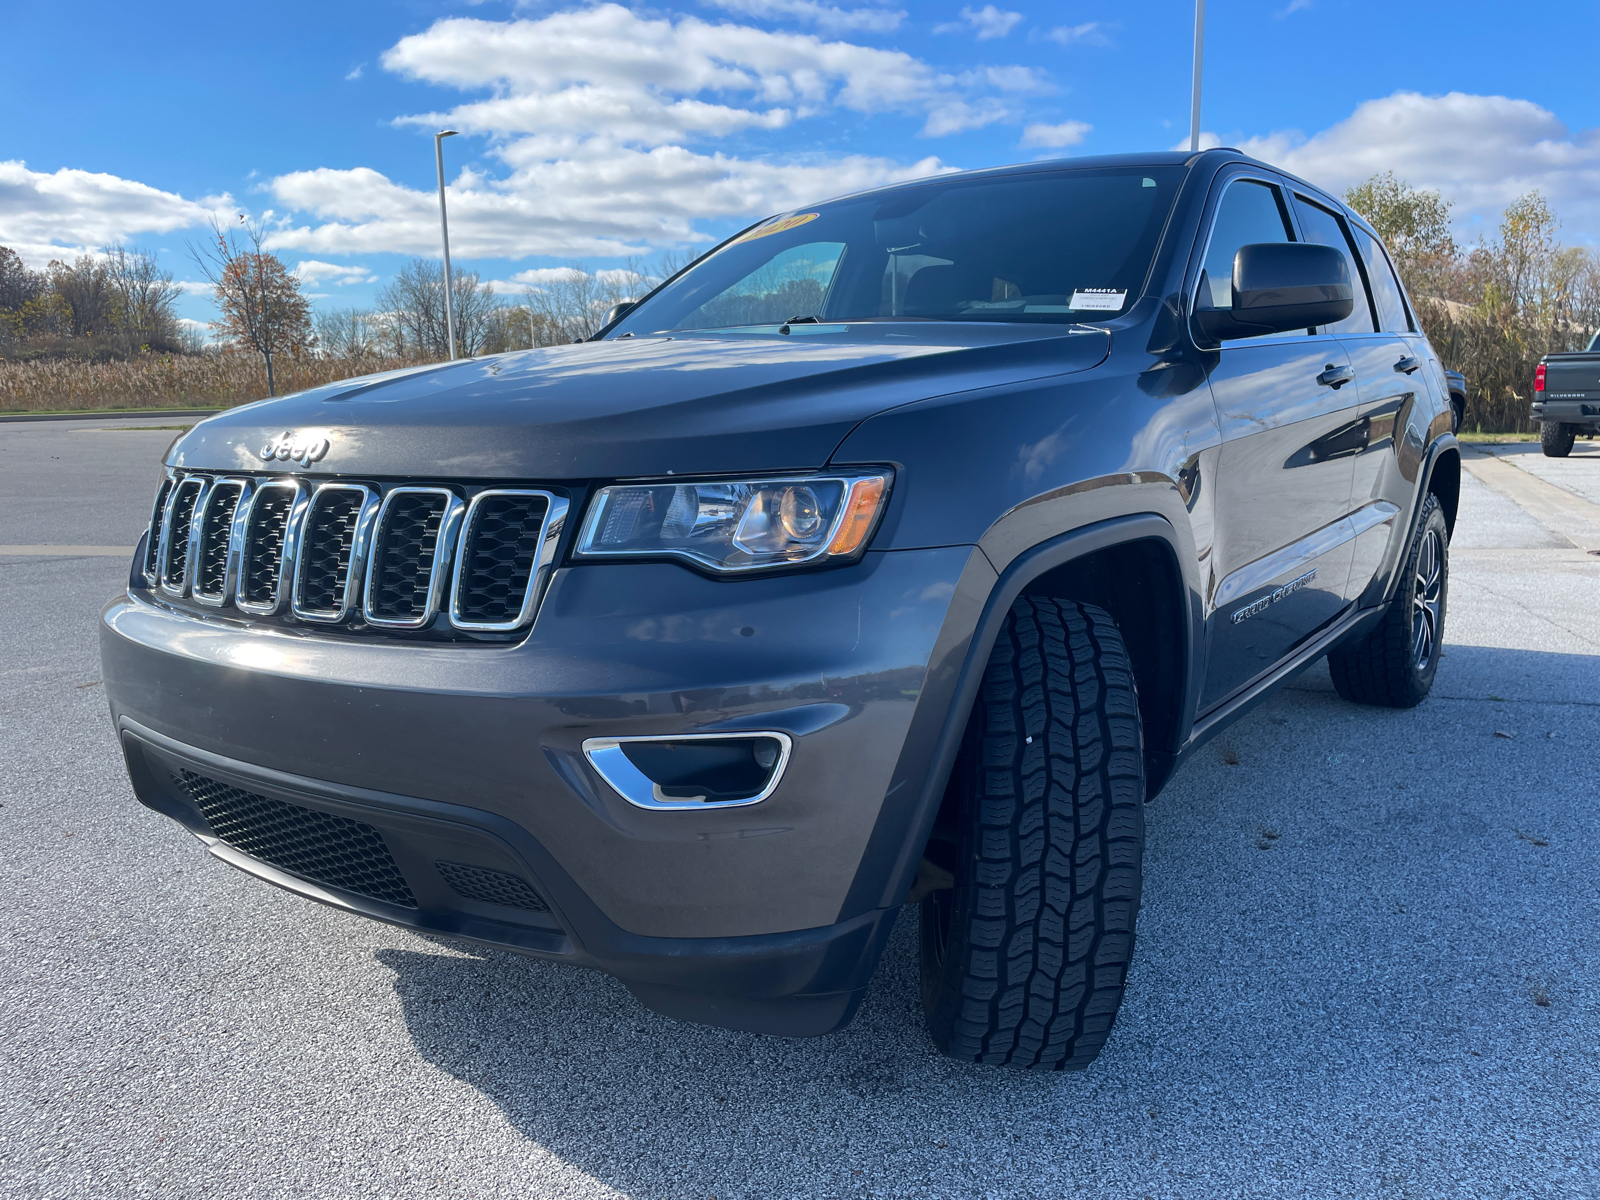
(1367,962)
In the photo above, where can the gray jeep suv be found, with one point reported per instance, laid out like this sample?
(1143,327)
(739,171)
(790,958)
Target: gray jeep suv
(896,551)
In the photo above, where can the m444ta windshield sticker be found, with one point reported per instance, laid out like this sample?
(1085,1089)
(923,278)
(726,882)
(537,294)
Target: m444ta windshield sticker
(781,225)
(1098,300)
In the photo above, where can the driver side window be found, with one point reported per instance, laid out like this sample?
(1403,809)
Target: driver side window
(1250,212)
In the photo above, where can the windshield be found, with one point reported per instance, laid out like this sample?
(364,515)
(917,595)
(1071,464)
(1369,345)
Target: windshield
(1062,246)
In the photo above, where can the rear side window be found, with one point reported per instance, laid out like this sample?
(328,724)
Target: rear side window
(1386,294)
(1326,229)
(1250,213)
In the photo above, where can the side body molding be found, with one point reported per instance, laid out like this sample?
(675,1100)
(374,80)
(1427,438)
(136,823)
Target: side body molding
(955,674)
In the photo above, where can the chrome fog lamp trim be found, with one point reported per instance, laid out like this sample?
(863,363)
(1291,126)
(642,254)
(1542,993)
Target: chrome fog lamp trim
(356,572)
(633,785)
(555,519)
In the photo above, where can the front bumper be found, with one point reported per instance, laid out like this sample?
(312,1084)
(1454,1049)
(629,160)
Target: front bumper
(747,917)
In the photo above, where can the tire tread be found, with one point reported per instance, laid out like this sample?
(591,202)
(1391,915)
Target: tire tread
(1043,927)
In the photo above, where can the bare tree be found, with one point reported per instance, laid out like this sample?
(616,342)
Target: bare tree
(145,297)
(413,302)
(261,304)
(350,333)
(571,305)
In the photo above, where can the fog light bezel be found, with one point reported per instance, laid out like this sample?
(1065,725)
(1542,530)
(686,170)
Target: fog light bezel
(606,756)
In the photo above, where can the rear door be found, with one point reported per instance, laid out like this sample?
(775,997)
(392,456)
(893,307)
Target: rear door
(1285,406)
(1388,373)
(1397,370)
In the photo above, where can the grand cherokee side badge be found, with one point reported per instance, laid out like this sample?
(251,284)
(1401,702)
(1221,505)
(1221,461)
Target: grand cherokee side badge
(304,449)
(1272,597)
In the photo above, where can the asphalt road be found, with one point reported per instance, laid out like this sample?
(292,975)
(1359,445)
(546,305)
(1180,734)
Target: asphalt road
(1367,962)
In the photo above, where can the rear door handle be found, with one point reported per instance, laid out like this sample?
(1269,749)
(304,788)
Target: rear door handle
(1336,376)
(1408,364)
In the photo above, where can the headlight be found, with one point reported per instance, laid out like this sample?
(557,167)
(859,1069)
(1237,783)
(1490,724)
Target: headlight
(737,525)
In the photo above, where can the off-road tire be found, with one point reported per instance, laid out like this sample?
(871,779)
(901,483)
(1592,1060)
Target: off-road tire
(1024,960)
(1390,666)
(1556,438)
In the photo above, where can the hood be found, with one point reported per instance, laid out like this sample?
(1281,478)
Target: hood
(693,403)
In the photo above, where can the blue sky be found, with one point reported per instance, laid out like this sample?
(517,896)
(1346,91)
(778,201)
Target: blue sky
(594,132)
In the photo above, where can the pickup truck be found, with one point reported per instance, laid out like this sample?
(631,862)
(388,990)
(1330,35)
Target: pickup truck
(1566,398)
(893,554)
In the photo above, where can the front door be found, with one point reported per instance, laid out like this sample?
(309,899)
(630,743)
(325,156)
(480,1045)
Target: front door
(1288,417)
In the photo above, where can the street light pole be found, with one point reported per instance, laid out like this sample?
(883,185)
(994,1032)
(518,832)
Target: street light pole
(444,231)
(1194,102)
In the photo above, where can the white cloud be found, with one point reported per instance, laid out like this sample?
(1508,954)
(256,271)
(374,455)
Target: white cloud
(594,114)
(573,198)
(988,22)
(641,80)
(313,272)
(1480,151)
(1087,34)
(1068,133)
(1293,6)
(354,73)
(823,16)
(67,212)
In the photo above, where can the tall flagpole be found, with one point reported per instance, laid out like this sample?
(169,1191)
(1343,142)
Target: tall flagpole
(1199,50)
(444,232)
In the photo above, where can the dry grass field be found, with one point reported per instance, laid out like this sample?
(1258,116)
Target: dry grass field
(168,381)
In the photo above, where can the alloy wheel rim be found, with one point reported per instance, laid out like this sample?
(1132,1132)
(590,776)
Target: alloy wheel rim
(1425,593)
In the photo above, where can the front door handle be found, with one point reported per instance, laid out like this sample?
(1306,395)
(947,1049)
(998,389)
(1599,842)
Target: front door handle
(1408,364)
(1336,376)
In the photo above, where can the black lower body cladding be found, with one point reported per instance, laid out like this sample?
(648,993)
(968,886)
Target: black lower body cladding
(445,787)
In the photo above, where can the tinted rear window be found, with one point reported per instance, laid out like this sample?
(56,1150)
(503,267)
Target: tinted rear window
(1062,246)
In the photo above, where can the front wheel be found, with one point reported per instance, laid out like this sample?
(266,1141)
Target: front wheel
(1024,959)
(1394,665)
(1556,439)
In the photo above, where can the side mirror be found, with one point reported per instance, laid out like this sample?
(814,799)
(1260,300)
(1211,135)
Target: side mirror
(617,311)
(1279,286)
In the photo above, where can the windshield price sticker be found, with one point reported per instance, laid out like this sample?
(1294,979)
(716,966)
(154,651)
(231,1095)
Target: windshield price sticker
(782,225)
(1098,299)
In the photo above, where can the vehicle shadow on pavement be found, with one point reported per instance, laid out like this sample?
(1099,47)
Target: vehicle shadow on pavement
(1360,967)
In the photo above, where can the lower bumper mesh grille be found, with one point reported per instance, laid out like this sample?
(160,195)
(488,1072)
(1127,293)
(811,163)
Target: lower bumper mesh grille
(326,849)
(491,887)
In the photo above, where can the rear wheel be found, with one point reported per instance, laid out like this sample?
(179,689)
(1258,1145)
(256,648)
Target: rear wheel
(1025,958)
(1394,665)
(1556,439)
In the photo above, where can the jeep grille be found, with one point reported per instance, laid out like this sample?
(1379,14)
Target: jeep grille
(369,557)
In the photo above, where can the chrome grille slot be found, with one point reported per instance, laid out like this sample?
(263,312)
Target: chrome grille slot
(152,546)
(508,540)
(213,541)
(332,545)
(175,531)
(268,536)
(409,559)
